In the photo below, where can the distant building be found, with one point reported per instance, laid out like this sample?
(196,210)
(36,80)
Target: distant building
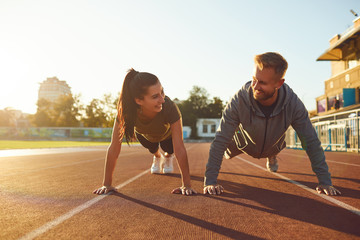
(206,127)
(52,88)
(342,88)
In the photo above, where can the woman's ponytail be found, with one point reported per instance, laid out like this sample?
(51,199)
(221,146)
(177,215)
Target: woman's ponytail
(127,108)
(135,86)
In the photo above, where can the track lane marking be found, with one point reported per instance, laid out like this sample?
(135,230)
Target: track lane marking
(328,198)
(58,166)
(47,226)
(45,168)
(350,164)
(45,151)
(5,153)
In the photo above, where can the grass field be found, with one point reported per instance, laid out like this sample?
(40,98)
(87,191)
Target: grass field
(7,144)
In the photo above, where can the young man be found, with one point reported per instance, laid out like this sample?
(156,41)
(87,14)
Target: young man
(256,119)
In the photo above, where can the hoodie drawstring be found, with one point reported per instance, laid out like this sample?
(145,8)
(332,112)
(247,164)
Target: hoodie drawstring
(250,115)
(285,117)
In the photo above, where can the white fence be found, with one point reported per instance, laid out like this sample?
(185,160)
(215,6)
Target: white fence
(337,132)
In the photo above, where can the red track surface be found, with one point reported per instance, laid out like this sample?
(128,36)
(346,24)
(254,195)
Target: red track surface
(40,197)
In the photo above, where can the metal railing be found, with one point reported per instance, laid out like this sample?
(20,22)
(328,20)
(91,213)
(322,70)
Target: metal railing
(337,132)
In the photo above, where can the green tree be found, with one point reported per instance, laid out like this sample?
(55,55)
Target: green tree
(43,115)
(215,108)
(109,105)
(194,107)
(100,112)
(188,115)
(95,115)
(199,106)
(66,111)
(198,100)
(6,118)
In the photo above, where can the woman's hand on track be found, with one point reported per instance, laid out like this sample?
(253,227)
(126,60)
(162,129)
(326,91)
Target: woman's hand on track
(104,190)
(184,191)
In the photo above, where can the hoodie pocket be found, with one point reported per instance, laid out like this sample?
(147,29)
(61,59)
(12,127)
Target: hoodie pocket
(281,144)
(242,138)
(277,147)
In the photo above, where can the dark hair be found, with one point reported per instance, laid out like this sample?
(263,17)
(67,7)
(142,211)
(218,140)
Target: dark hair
(272,60)
(135,86)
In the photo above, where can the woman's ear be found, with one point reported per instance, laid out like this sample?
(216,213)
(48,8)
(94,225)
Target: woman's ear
(138,101)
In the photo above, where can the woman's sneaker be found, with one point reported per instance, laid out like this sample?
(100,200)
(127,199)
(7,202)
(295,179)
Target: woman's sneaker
(168,164)
(272,164)
(155,167)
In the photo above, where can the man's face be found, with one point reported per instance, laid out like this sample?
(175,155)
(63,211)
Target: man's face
(265,84)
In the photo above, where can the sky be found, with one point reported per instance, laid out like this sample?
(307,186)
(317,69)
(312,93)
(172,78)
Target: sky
(208,43)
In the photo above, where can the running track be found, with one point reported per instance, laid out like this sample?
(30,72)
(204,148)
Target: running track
(47,194)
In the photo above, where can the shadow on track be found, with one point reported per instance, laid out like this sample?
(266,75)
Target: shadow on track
(287,205)
(348,192)
(332,176)
(228,232)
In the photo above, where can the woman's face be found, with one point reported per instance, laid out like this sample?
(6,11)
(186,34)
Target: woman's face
(153,100)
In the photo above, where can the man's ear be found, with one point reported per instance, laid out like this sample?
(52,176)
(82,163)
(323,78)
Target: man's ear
(280,83)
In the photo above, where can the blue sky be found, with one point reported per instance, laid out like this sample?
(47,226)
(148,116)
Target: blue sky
(209,43)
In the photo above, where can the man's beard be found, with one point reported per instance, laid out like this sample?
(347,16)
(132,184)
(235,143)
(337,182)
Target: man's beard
(264,96)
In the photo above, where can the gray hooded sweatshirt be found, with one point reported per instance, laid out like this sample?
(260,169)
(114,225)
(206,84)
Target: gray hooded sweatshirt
(262,137)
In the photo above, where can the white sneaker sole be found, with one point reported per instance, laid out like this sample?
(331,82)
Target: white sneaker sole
(168,170)
(154,171)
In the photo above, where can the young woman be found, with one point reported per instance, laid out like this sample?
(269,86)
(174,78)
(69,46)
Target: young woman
(145,112)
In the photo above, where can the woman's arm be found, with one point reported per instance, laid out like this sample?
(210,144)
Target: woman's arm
(112,155)
(181,156)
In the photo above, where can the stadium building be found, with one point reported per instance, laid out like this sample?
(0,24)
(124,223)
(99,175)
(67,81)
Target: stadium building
(337,115)
(342,88)
(52,88)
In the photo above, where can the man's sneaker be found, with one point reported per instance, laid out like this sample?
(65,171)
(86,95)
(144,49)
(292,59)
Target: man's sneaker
(155,167)
(168,164)
(272,164)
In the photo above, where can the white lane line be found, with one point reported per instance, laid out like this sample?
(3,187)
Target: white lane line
(46,227)
(187,149)
(350,164)
(58,166)
(328,198)
(45,151)
(5,153)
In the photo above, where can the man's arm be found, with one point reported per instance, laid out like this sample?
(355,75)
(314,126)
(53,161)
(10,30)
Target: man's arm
(312,145)
(224,134)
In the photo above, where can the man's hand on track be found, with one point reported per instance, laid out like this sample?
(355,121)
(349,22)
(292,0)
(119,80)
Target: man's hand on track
(213,189)
(327,189)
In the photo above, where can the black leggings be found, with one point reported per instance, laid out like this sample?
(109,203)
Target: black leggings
(166,145)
